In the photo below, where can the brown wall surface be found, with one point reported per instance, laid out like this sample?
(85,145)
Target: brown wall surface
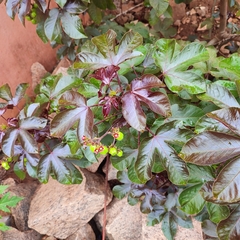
(20,47)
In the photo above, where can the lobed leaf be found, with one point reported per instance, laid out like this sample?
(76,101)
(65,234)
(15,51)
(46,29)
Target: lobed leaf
(56,164)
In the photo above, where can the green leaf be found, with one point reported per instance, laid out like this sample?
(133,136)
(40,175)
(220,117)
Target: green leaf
(56,163)
(3,188)
(174,64)
(18,171)
(4,227)
(5,92)
(202,150)
(160,6)
(72,26)
(225,186)
(199,173)
(231,86)
(120,191)
(95,13)
(61,3)
(157,149)
(187,115)
(88,90)
(169,226)
(52,26)
(229,229)
(190,199)
(121,163)
(41,32)
(216,212)
(231,64)
(63,84)
(8,201)
(219,95)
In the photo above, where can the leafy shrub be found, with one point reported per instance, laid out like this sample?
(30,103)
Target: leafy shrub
(167,113)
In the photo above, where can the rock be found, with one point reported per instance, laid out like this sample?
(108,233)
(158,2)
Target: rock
(20,212)
(38,72)
(112,171)
(62,67)
(125,222)
(83,233)
(60,210)
(94,167)
(13,234)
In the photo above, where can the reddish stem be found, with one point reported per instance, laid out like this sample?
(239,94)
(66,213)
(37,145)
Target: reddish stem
(105,201)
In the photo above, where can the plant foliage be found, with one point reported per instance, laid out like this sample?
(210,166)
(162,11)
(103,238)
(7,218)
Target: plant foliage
(165,111)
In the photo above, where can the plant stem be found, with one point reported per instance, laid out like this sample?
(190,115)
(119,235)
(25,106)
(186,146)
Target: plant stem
(223,15)
(129,10)
(105,201)
(150,131)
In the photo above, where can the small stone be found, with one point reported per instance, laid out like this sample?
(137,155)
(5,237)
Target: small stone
(84,233)
(177,23)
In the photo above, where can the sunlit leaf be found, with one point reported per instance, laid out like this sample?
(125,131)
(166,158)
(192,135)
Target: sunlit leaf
(216,212)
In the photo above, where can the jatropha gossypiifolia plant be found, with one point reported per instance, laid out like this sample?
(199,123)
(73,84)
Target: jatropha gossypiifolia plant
(166,113)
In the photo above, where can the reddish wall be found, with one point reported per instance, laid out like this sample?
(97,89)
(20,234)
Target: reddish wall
(20,47)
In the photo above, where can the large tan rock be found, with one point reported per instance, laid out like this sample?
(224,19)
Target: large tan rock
(14,234)
(60,210)
(20,212)
(84,233)
(125,222)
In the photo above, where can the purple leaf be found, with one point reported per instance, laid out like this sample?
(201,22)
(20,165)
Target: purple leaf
(8,141)
(133,112)
(33,123)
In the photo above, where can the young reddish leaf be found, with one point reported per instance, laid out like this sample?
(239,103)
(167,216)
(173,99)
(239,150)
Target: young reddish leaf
(230,117)
(209,148)
(106,74)
(56,164)
(157,148)
(5,92)
(133,112)
(225,187)
(229,229)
